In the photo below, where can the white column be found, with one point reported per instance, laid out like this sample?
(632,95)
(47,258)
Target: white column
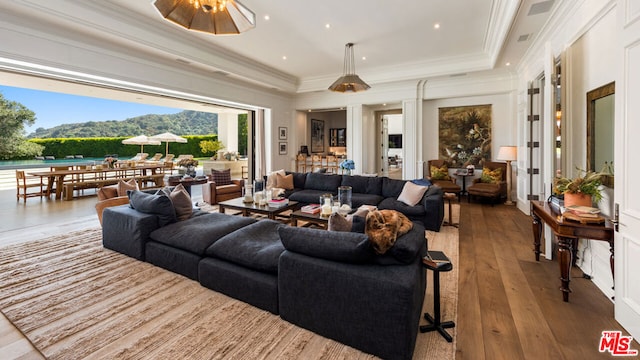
(355,132)
(410,137)
(228,130)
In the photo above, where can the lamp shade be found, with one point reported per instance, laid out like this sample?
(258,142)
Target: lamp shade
(349,81)
(220,17)
(508,153)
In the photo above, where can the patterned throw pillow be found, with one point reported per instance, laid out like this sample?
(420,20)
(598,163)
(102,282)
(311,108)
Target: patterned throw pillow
(221,177)
(491,176)
(440,173)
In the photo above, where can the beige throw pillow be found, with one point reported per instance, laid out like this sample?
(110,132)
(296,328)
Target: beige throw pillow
(411,193)
(272,178)
(284,181)
(181,202)
(123,186)
(108,192)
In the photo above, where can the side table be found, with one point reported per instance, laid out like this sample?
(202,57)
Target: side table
(434,322)
(463,176)
(448,197)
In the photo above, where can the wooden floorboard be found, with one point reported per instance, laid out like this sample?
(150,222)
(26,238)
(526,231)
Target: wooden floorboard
(522,315)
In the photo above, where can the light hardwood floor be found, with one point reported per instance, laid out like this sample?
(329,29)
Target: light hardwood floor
(509,305)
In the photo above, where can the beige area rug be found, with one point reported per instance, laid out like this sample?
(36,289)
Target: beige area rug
(74,299)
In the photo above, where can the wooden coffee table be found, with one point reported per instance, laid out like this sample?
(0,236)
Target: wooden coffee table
(250,208)
(310,219)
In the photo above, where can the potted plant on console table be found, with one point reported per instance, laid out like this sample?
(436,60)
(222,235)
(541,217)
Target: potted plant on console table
(581,190)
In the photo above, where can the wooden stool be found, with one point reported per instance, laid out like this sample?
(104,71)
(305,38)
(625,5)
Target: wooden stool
(434,322)
(448,197)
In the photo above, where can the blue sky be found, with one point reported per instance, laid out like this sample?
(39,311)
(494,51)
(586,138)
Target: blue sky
(55,108)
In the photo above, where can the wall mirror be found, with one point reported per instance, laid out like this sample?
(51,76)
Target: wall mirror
(600,130)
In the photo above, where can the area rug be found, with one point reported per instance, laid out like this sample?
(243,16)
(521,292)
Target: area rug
(72,298)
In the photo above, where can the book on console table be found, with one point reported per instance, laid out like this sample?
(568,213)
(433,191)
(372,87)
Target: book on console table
(311,209)
(436,259)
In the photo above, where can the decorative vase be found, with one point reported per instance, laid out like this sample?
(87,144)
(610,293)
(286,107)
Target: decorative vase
(344,197)
(577,199)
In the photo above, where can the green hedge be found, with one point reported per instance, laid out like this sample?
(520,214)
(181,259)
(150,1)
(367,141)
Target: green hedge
(99,147)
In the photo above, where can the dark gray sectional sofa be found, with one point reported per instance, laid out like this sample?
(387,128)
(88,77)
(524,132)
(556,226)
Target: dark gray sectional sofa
(382,192)
(332,283)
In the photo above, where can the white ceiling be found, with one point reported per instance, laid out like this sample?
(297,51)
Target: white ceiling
(397,38)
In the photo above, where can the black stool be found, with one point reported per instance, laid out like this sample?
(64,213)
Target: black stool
(435,323)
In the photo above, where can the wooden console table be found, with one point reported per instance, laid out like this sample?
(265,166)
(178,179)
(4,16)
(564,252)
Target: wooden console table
(568,232)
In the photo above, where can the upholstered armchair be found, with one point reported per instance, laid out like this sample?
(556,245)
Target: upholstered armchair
(442,178)
(220,187)
(492,183)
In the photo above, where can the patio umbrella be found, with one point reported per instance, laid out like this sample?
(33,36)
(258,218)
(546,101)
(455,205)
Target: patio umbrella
(141,140)
(168,137)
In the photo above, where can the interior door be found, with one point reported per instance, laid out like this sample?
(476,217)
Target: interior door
(627,170)
(384,144)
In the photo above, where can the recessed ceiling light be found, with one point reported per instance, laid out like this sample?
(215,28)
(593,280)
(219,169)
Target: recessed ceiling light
(284,58)
(309,110)
(436,26)
(364,58)
(508,64)
(328,26)
(384,104)
(266,17)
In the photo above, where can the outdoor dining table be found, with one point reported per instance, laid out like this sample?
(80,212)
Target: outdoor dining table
(57,177)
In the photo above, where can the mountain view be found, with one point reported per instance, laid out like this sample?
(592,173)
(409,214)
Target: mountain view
(187,122)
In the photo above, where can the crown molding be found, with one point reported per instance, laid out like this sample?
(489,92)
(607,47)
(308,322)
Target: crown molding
(503,15)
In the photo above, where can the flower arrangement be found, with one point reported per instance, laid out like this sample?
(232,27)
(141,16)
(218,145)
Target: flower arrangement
(347,164)
(589,184)
(188,162)
(110,161)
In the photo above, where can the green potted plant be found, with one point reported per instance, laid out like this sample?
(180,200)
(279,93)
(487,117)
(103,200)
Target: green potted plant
(582,190)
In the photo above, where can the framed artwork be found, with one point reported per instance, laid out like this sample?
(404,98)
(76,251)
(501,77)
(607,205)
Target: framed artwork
(282,133)
(282,148)
(465,135)
(317,136)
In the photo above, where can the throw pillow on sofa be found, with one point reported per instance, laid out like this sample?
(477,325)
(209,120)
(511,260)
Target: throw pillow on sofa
(159,205)
(284,181)
(272,178)
(412,194)
(125,186)
(181,202)
(107,192)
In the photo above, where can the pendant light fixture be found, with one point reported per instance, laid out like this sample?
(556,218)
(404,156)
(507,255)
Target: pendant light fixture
(220,17)
(349,81)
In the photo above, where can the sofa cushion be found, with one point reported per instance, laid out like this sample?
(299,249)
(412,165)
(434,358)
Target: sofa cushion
(159,205)
(358,200)
(308,196)
(406,248)
(228,189)
(345,247)
(363,184)
(298,179)
(323,182)
(411,211)
(221,177)
(411,193)
(392,187)
(198,233)
(256,246)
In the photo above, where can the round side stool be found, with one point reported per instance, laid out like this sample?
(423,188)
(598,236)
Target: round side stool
(448,197)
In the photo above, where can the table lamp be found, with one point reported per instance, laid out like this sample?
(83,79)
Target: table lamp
(508,154)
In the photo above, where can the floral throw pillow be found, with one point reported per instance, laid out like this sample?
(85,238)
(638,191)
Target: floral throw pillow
(440,173)
(491,176)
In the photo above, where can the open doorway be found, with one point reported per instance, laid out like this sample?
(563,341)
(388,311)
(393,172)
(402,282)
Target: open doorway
(391,156)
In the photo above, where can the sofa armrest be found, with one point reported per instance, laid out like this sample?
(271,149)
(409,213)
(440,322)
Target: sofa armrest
(373,308)
(127,230)
(433,202)
(103,204)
